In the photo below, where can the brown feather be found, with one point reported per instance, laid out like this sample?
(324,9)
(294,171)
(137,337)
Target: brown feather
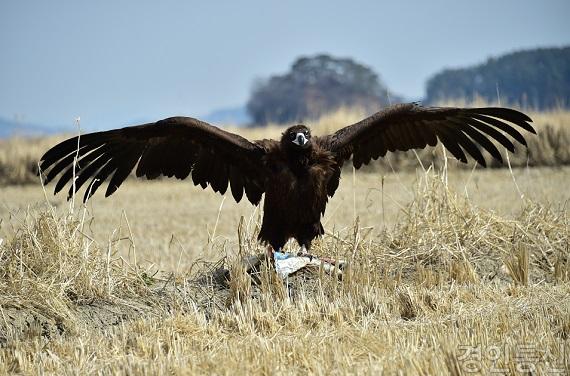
(492,132)
(84,174)
(123,171)
(465,143)
(480,139)
(236,184)
(451,144)
(98,180)
(502,126)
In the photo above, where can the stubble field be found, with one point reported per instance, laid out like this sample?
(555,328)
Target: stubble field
(452,271)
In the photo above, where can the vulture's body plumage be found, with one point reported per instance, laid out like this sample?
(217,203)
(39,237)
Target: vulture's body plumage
(297,173)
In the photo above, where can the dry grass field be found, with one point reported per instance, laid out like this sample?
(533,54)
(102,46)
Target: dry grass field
(457,271)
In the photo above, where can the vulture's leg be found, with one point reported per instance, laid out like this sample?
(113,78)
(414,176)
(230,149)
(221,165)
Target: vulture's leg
(270,256)
(306,237)
(305,247)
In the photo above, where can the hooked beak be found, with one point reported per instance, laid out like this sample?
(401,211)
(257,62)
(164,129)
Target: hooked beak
(300,140)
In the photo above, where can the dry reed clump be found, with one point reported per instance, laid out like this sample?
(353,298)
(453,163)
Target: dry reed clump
(50,267)
(19,157)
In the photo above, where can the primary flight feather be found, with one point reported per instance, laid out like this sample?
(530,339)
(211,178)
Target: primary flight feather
(297,173)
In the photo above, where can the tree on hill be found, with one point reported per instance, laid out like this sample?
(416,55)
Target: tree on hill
(538,78)
(313,86)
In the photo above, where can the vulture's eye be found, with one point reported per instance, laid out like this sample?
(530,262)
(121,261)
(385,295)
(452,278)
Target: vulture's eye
(292,135)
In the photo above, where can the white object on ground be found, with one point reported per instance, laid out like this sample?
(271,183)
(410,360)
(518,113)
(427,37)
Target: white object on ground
(288,263)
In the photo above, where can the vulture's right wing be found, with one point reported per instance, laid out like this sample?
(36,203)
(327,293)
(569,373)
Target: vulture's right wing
(175,146)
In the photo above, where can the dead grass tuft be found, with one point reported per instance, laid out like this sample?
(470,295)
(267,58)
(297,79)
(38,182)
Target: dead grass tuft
(518,265)
(49,267)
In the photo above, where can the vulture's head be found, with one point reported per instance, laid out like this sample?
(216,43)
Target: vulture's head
(297,137)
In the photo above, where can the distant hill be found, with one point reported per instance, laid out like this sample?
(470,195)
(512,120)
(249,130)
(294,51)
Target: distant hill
(538,78)
(228,116)
(9,128)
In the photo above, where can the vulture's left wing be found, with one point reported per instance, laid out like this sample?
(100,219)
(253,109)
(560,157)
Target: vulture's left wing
(410,126)
(175,146)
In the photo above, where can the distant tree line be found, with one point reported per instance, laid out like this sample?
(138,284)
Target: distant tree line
(538,78)
(314,86)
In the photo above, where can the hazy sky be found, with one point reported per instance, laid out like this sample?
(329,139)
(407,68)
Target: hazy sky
(115,62)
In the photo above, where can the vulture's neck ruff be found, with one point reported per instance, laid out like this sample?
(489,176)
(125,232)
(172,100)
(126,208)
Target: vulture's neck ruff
(299,159)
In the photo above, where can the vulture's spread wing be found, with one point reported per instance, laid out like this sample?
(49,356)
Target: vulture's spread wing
(410,126)
(175,146)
